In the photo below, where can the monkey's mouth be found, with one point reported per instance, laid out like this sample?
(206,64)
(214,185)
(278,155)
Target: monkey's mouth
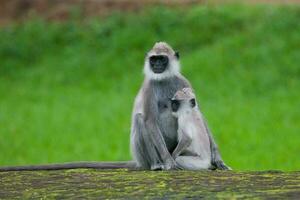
(158,69)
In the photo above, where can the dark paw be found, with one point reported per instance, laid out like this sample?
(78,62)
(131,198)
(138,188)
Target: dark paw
(219,164)
(157,167)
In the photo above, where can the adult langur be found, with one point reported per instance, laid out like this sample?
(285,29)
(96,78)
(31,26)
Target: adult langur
(154,129)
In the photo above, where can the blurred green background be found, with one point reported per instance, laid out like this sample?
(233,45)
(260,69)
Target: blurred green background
(67,87)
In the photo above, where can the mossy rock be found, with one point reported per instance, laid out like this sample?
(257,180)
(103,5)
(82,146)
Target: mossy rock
(130,184)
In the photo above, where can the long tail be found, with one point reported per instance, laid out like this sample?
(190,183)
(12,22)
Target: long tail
(73,165)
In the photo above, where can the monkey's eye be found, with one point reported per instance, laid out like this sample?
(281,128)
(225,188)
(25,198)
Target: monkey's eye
(160,59)
(164,59)
(193,103)
(175,105)
(152,60)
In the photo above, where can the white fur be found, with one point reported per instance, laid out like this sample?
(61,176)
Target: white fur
(190,122)
(172,70)
(185,110)
(193,163)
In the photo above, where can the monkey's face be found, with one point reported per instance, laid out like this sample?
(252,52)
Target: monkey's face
(158,63)
(187,104)
(161,62)
(183,101)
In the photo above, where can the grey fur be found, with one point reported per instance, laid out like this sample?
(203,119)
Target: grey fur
(72,165)
(193,151)
(154,129)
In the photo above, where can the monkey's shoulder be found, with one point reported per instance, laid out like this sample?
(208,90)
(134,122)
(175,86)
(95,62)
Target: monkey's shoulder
(169,85)
(179,82)
(181,79)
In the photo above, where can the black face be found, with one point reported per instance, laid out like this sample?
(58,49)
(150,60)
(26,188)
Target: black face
(159,63)
(175,105)
(193,103)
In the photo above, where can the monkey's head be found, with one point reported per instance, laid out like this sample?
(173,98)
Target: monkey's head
(184,100)
(161,62)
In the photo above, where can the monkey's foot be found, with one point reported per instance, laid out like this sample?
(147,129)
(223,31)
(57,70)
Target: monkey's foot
(219,164)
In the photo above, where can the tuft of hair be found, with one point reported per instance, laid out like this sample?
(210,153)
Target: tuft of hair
(184,94)
(162,48)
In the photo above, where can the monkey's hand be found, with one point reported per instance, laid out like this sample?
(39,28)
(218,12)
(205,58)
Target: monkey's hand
(170,164)
(175,155)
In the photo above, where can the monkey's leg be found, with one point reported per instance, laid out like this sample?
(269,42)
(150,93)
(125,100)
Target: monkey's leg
(192,163)
(183,143)
(162,152)
(216,158)
(143,147)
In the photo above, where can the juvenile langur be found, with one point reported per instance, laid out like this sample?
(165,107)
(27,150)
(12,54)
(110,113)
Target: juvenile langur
(193,149)
(154,128)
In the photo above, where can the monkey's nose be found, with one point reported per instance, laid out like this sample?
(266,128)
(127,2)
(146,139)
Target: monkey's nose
(158,68)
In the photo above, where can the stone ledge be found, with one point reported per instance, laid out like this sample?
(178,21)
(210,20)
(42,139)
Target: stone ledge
(132,184)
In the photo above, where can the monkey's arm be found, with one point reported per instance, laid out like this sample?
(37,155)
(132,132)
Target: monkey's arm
(151,113)
(216,158)
(158,141)
(182,144)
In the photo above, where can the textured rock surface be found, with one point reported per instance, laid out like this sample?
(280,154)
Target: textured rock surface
(128,184)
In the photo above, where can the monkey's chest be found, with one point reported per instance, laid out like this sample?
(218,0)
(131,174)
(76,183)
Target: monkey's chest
(167,124)
(163,92)
(164,100)
(164,105)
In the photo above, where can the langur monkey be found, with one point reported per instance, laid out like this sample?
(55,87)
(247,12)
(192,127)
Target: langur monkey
(154,128)
(193,149)
(153,135)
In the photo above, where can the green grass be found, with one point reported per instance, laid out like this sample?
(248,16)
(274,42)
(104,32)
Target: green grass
(67,89)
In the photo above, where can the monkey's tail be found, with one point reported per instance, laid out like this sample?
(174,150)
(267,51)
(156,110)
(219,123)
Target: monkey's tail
(73,165)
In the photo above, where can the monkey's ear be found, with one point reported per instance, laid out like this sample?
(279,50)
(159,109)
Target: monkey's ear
(177,55)
(193,102)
